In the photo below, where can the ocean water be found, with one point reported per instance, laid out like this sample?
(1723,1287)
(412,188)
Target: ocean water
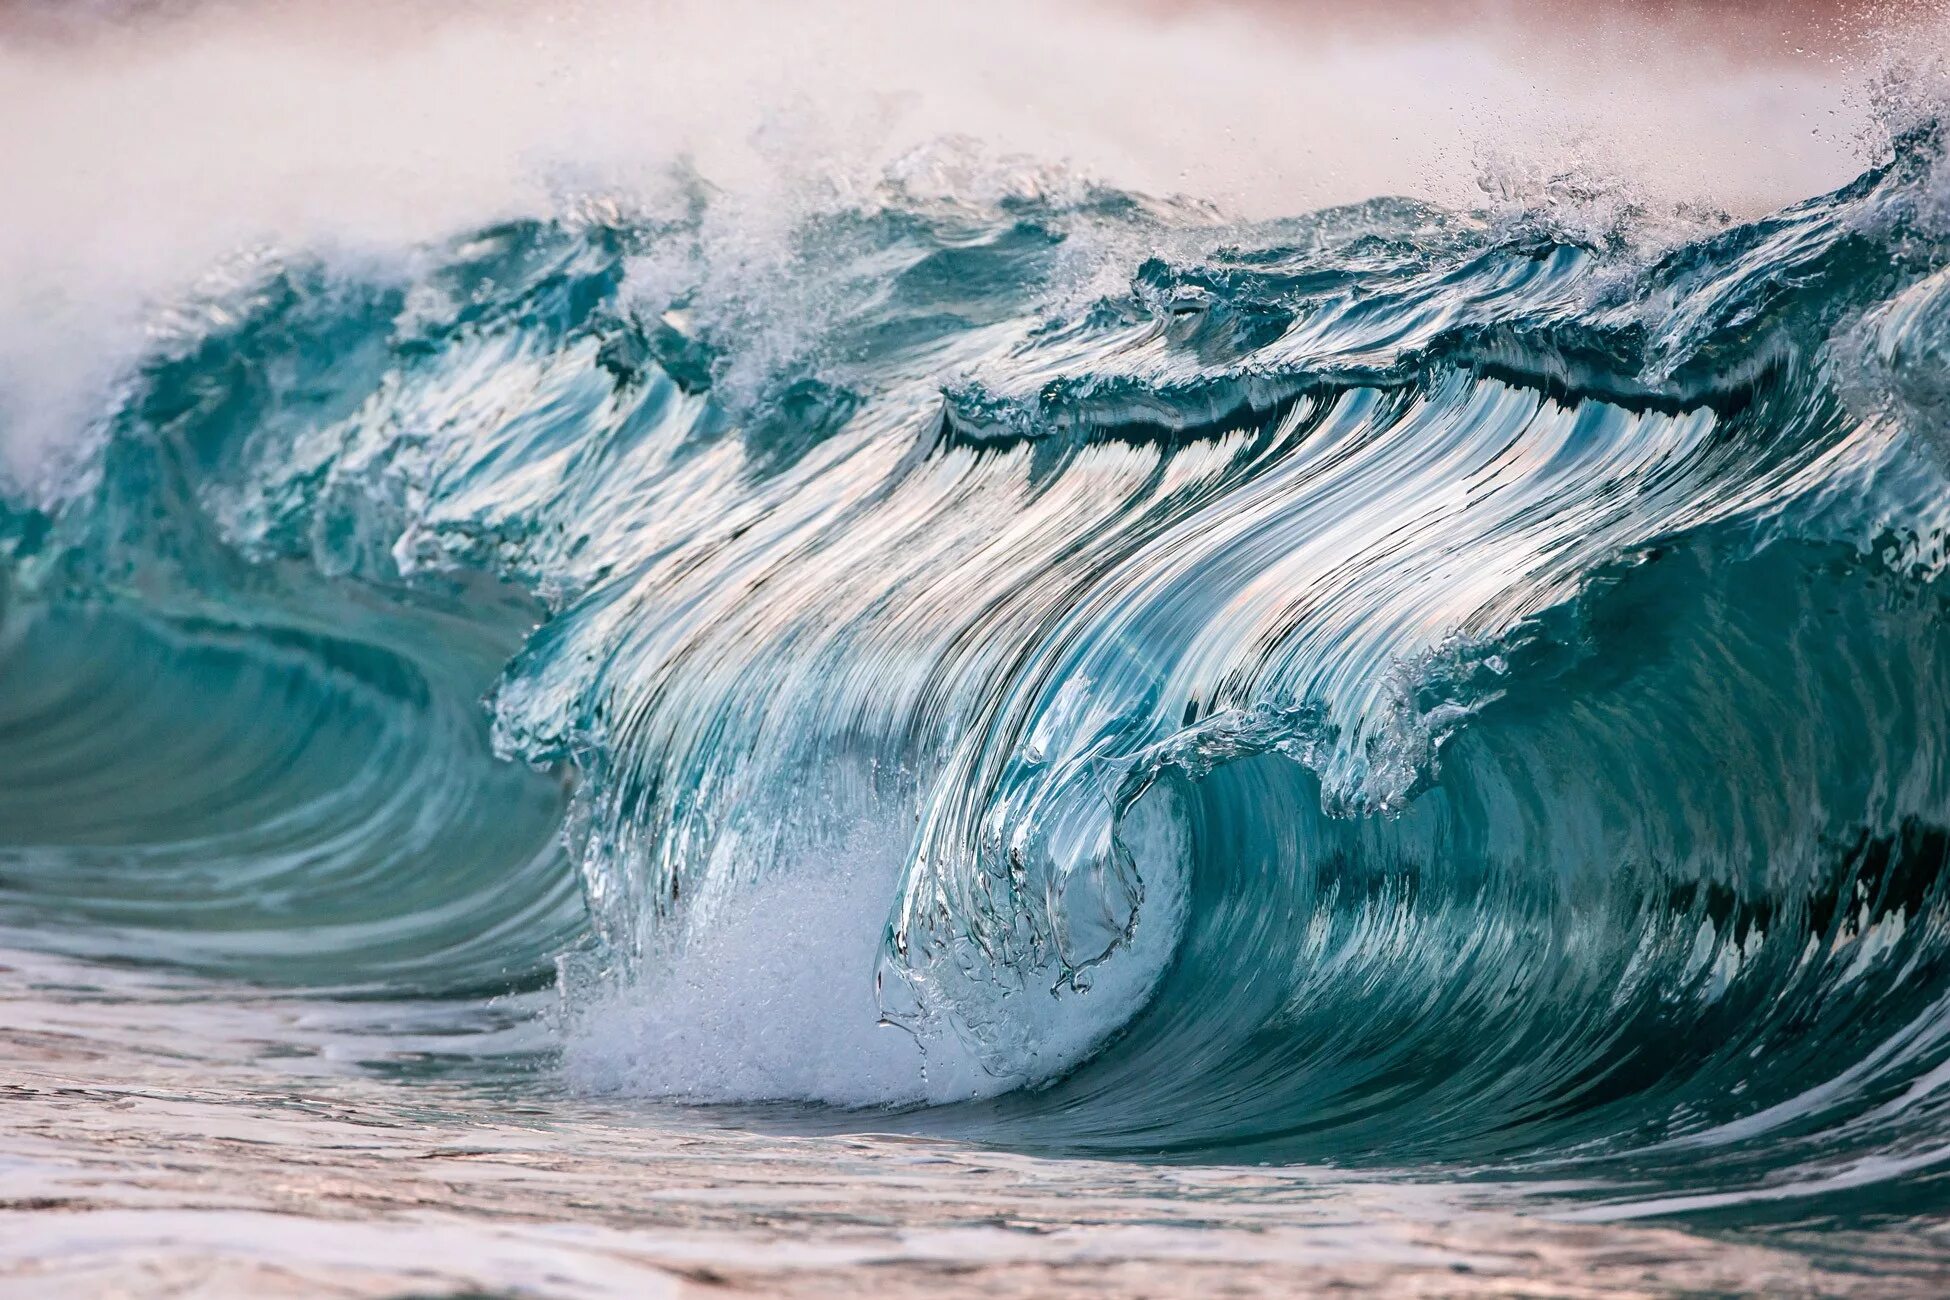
(959,725)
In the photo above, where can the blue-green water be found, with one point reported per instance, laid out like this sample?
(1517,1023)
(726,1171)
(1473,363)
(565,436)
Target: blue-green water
(1394,686)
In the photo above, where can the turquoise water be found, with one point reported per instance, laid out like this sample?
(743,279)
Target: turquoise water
(1395,686)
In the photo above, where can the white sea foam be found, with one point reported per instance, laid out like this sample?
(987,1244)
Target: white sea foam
(772,995)
(772,998)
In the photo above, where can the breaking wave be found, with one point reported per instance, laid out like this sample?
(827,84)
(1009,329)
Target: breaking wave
(1397,683)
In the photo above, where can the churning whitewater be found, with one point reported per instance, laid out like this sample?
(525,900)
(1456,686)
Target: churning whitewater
(1464,688)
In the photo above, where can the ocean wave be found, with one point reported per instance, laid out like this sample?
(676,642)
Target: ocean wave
(1400,683)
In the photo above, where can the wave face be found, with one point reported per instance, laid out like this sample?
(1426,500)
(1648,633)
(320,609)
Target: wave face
(1394,684)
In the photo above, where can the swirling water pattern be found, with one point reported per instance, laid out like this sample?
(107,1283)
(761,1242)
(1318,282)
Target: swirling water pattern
(1393,684)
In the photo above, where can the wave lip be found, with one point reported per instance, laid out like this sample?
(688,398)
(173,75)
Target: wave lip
(1395,685)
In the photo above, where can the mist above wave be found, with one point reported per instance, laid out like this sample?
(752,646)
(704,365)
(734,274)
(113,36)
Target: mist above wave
(161,147)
